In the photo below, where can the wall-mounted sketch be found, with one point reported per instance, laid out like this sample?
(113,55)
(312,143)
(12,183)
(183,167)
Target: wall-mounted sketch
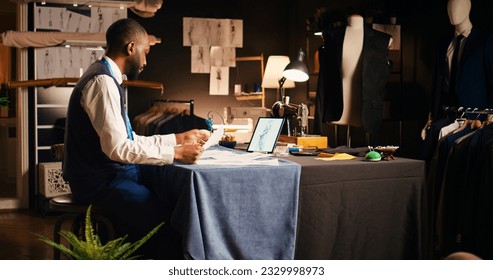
(220,33)
(103,17)
(49,18)
(213,32)
(197,32)
(223,56)
(236,33)
(213,45)
(64,62)
(78,23)
(76,19)
(219,81)
(200,59)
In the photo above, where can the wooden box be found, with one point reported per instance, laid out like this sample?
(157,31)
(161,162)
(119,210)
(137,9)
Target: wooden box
(307,141)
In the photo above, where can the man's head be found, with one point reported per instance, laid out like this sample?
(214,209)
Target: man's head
(127,43)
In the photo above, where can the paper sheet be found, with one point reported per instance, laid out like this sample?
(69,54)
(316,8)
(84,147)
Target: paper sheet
(215,137)
(222,157)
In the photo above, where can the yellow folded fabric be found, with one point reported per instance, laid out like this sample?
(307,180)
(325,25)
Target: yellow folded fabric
(336,156)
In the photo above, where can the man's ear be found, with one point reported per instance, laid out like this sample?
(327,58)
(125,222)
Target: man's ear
(130,48)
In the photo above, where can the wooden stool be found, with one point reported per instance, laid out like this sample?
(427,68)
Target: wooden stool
(76,214)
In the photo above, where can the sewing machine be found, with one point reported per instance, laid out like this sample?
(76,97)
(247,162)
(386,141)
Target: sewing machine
(241,121)
(296,116)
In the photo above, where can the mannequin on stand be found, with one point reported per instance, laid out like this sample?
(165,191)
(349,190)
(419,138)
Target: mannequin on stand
(353,75)
(471,86)
(351,72)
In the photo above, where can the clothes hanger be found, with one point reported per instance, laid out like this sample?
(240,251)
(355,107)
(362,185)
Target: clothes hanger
(463,121)
(475,124)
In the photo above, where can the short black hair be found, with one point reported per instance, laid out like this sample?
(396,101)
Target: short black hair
(122,32)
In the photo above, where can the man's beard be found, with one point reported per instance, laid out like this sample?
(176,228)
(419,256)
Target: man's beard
(134,70)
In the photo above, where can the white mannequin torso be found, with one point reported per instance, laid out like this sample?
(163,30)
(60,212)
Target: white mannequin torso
(351,69)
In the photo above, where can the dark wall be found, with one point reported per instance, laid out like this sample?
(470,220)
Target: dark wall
(265,31)
(280,27)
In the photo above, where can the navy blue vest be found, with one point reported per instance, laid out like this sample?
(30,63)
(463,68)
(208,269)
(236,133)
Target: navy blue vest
(87,169)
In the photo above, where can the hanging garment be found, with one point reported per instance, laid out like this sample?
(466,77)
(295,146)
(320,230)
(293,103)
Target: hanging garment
(474,85)
(375,74)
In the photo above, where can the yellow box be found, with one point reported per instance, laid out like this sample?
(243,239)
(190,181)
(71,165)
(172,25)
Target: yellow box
(307,141)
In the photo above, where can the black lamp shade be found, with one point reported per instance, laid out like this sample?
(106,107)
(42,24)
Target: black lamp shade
(296,70)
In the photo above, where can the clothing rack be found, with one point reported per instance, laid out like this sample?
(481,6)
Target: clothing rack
(468,110)
(190,102)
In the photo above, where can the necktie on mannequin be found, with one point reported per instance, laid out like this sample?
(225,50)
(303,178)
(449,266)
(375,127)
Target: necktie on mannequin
(454,67)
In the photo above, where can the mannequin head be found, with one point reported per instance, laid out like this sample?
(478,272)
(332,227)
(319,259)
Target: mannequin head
(458,11)
(355,20)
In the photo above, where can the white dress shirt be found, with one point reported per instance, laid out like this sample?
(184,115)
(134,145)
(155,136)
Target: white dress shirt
(450,50)
(101,101)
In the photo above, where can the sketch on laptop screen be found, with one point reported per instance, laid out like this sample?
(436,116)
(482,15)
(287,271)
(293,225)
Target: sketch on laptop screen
(265,135)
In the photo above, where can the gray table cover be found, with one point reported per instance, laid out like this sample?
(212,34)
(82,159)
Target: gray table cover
(232,212)
(362,210)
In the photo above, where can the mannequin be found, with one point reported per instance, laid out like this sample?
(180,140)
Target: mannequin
(351,70)
(458,12)
(353,76)
(474,75)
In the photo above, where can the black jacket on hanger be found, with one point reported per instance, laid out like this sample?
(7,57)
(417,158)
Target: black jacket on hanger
(375,76)
(475,75)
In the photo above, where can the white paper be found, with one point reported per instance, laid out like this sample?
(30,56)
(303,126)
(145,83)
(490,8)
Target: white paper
(216,136)
(223,157)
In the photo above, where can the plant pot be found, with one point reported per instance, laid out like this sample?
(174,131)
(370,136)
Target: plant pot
(4,112)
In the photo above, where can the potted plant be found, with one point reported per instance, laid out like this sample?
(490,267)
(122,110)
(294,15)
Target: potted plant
(90,247)
(4,107)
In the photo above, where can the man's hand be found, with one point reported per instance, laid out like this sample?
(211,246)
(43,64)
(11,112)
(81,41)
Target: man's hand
(188,153)
(193,137)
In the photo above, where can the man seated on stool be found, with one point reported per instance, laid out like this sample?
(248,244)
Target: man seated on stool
(102,153)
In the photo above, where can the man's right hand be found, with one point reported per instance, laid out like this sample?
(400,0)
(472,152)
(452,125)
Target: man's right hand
(188,153)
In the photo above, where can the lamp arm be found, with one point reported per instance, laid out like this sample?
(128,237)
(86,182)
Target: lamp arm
(281,81)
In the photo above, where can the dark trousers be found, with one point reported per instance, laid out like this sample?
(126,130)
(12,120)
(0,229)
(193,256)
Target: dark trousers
(135,210)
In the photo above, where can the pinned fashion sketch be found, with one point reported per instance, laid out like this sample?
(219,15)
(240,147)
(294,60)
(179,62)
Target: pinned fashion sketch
(219,81)
(200,59)
(70,61)
(213,43)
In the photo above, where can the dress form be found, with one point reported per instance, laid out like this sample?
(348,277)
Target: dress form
(351,71)
(458,12)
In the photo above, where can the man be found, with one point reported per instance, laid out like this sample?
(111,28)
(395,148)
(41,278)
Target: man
(102,152)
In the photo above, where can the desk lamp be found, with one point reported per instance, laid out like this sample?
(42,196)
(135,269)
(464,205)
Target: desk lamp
(274,73)
(294,71)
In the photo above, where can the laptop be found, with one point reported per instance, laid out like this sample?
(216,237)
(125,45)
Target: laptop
(265,135)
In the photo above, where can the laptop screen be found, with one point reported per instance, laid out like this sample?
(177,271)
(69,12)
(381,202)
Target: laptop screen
(265,135)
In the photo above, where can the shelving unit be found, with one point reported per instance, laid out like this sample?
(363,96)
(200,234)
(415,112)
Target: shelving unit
(259,58)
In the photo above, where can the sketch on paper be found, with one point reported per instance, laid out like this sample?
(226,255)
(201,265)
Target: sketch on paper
(219,81)
(220,33)
(236,33)
(196,32)
(223,56)
(213,45)
(213,32)
(64,62)
(49,18)
(200,59)
(103,17)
